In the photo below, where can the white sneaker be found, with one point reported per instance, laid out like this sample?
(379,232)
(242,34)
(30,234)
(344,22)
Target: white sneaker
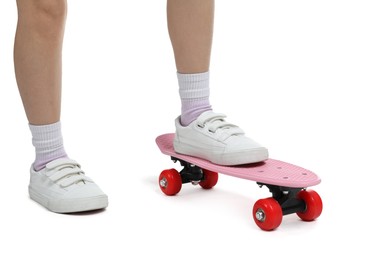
(62,187)
(210,137)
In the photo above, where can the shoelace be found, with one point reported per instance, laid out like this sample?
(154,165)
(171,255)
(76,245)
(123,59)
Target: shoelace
(215,122)
(66,173)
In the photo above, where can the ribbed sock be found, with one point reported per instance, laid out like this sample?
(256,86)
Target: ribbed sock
(48,143)
(194,93)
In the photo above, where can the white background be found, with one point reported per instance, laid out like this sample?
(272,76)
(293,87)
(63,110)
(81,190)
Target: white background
(307,79)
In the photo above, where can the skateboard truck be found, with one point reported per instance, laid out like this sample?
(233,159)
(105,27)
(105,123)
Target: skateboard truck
(190,172)
(286,197)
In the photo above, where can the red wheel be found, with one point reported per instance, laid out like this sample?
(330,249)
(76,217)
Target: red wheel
(313,205)
(210,179)
(170,182)
(267,214)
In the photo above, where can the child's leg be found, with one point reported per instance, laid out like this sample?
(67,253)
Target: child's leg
(37,55)
(38,47)
(56,182)
(190,25)
(199,131)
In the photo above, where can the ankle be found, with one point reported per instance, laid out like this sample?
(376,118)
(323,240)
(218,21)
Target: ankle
(194,94)
(48,143)
(41,163)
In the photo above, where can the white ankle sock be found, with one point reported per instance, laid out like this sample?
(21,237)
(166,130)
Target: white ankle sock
(194,94)
(48,143)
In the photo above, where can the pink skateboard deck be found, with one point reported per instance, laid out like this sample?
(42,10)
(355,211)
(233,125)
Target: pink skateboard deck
(270,172)
(286,181)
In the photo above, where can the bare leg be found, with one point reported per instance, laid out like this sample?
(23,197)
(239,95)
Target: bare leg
(190,25)
(37,56)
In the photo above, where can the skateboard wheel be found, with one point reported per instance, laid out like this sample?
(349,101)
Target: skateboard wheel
(170,182)
(313,205)
(267,214)
(210,179)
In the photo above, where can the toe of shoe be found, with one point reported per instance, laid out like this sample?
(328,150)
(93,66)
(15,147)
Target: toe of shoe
(83,198)
(88,190)
(244,150)
(243,144)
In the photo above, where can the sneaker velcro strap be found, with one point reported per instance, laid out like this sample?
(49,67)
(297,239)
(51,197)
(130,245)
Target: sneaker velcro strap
(209,117)
(73,179)
(62,163)
(214,122)
(230,132)
(214,126)
(66,172)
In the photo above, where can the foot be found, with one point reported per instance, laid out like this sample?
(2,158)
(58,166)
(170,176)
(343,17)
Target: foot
(210,137)
(62,187)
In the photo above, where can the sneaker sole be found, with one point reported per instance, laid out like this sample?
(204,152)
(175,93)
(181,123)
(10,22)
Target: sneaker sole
(70,205)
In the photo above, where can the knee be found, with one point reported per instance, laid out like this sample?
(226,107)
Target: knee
(43,15)
(53,10)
